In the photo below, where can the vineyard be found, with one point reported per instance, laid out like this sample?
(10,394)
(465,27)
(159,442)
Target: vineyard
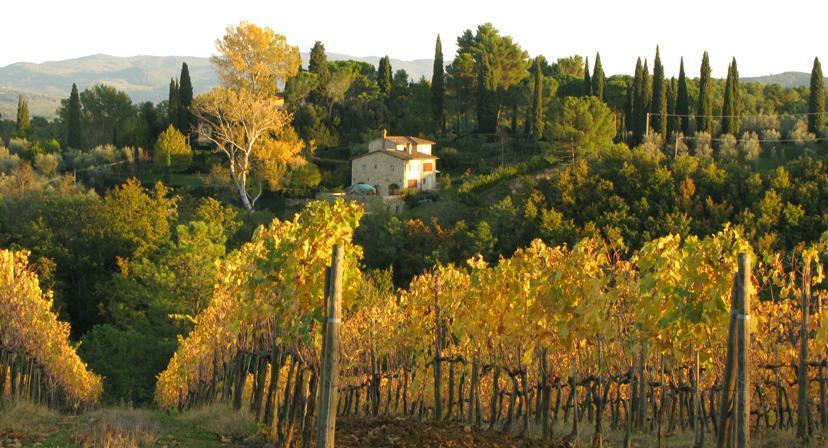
(578,336)
(37,362)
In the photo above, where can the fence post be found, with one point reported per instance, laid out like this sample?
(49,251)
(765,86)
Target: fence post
(326,419)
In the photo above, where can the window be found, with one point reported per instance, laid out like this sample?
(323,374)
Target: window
(412,183)
(428,167)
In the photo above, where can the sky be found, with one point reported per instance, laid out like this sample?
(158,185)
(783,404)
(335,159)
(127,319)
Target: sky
(765,36)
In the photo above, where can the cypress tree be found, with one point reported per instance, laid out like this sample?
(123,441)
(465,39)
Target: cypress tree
(537,103)
(173,103)
(628,110)
(642,105)
(683,101)
(632,99)
(384,81)
(659,104)
(672,120)
(486,103)
(816,102)
(318,62)
(598,78)
(704,110)
(587,79)
(185,100)
(22,115)
(438,87)
(73,119)
(730,107)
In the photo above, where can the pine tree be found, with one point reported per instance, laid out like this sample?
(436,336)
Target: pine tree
(438,87)
(486,102)
(641,106)
(730,107)
(173,103)
(384,81)
(659,103)
(683,101)
(816,103)
(185,100)
(587,79)
(598,78)
(318,62)
(672,120)
(73,119)
(704,110)
(537,103)
(22,115)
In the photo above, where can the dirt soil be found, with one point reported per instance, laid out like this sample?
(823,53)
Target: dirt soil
(399,433)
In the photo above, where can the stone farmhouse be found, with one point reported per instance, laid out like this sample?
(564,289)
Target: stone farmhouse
(395,163)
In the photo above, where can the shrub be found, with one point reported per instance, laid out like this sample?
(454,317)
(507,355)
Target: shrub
(8,161)
(172,153)
(727,147)
(46,164)
(749,146)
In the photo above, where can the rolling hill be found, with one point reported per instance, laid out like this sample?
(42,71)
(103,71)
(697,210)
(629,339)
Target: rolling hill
(144,78)
(785,79)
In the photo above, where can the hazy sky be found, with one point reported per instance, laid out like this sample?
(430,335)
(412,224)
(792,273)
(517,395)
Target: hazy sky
(765,36)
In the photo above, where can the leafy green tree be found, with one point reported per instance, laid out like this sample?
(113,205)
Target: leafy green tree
(659,102)
(73,120)
(582,125)
(318,62)
(704,109)
(683,100)
(537,102)
(185,100)
(730,108)
(107,111)
(151,124)
(23,121)
(172,153)
(587,79)
(173,104)
(438,87)
(598,78)
(816,102)
(384,78)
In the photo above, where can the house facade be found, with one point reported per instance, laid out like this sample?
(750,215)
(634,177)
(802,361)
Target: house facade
(396,163)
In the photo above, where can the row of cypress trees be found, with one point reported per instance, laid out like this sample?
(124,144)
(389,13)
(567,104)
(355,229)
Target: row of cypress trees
(666,101)
(668,105)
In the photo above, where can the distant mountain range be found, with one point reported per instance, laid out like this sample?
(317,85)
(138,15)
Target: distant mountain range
(785,79)
(144,78)
(147,78)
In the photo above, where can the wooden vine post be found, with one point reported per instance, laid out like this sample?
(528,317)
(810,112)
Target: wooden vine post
(326,419)
(743,375)
(736,378)
(802,424)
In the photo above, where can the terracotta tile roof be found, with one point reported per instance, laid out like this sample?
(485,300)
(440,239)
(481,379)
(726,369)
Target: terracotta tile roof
(400,155)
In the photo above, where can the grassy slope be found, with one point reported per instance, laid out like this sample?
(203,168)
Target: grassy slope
(25,425)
